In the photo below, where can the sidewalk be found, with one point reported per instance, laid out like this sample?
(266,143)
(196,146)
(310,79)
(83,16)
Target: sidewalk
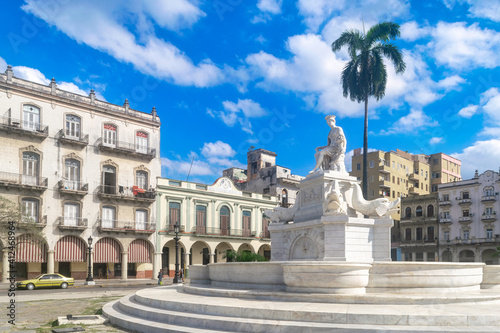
(99,283)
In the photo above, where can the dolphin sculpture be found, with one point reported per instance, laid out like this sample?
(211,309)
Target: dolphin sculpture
(377,207)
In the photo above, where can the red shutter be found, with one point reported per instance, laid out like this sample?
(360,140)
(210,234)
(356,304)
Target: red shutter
(70,249)
(139,251)
(30,250)
(107,250)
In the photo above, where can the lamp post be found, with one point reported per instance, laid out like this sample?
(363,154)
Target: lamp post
(176,239)
(90,280)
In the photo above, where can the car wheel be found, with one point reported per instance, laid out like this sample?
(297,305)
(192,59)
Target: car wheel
(30,286)
(64,285)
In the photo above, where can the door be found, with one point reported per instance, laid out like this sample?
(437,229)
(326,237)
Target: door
(165,261)
(108,217)
(31,118)
(30,168)
(109,179)
(109,135)
(246,224)
(141,142)
(71,213)
(224,221)
(140,219)
(72,174)
(73,127)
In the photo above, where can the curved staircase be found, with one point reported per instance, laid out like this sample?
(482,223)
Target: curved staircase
(209,309)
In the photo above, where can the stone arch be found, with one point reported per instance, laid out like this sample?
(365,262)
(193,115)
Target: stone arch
(264,250)
(466,256)
(220,251)
(200,253)
(408,212)
(246,247)
(304,247)
(447,256)
(490,257)
(225,203)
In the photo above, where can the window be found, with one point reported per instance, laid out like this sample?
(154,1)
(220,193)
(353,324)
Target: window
(284,198)
(393,194)
(246,223)
(268,165)
(408,212)
(72,126)
(224,220)
(465,213)
(174,213)
(71,214)
(489,233)
(446,197)
(418,211)
(72,174)
(430,211)
(358,166)
(201,219)
(435,161)
(419,233)
(408,234)
(254,167)
(488,192)
(446,215)
(141,217)
(30,209)
(398,180)
(466,234)
(108,217)
(393,179)
(31,118)
(434,188)
(141,142)
(372,178)
(488,211)
(446,235)
(30,168)
(431,256)
(109,179)
(419,256)
(372,164)
(109,135)
(408,256)
(141,179)
(465,195)
(430,233)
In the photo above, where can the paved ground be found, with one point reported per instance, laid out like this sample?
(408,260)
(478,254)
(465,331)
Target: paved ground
(37,311)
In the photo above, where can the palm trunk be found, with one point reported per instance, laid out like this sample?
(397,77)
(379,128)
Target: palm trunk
(365,152)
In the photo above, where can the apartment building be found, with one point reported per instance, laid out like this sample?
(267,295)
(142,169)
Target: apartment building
(419,228)
(213,218)
(469,227)
(79,167)
(265,177)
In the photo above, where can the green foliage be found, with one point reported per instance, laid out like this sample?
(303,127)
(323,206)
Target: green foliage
(498,252)
(245,256)
(12,212)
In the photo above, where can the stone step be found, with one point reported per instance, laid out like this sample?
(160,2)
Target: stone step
(166,305)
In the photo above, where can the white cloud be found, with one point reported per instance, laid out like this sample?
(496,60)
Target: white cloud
(412,122)
(410,31)
(217,149)
(239,112)
(490,100)
(451,82)
(270,6)
(177,14)
(493,132)
(103,25)
(3,65)
(435,140)
(178,168)
(463,47)
(481,156)
(468,111)
(479,8)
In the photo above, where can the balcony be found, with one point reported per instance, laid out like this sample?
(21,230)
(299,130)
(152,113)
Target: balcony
(413,176)
(489,217)
(488,198)
(170,229)
(21,181)
(265,234)
(385,169)
(126,226)
(465,219)
(72,223)
(413,191)
(126,148)
(133,193)
(466,201)
(81,141)
(208,231)
(73,187)
(39,222)
(444,203)
(445,220)
(385,184)
(496,239)
(27,128)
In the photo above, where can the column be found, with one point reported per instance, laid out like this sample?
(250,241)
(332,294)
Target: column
(188,214)
(214,223)
(50,261)
(237,222)
(255,222)
(156,264)
(5,265)
(124,265)
(211,258)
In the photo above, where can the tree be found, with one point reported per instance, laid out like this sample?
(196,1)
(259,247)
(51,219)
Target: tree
(12,214)
(245,256)
(365,74)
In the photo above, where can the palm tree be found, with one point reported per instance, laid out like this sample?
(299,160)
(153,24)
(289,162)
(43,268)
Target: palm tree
(365,74)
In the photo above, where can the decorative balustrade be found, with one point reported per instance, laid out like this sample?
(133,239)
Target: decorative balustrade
(126,226)
(23,181)
(66,222)
(202,230)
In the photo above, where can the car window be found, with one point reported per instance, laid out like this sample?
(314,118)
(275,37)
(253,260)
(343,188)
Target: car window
(45,277)
(55,276)
(38,276)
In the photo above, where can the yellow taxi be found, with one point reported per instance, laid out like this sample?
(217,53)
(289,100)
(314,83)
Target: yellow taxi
(47,280)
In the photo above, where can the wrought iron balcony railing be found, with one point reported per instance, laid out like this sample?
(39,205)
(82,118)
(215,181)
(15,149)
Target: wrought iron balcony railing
(23,181)
(79,140)
(126,148)
(126,226)
(126,193)
(66,222)
(73,187)
(25,127)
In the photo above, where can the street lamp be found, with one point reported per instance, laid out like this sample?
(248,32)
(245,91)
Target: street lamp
(177,229)
(90,280)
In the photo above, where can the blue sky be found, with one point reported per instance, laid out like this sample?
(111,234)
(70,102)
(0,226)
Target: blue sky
(226,75)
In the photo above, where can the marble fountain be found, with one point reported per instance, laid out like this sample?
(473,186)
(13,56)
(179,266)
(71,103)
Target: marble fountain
(330,270)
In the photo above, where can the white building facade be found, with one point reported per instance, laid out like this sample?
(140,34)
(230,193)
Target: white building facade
(79,167)
(469,227)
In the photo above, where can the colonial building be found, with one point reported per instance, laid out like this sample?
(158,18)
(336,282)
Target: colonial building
(419,228)
(213,219)
(469,227)
(265,177)
(79,167)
